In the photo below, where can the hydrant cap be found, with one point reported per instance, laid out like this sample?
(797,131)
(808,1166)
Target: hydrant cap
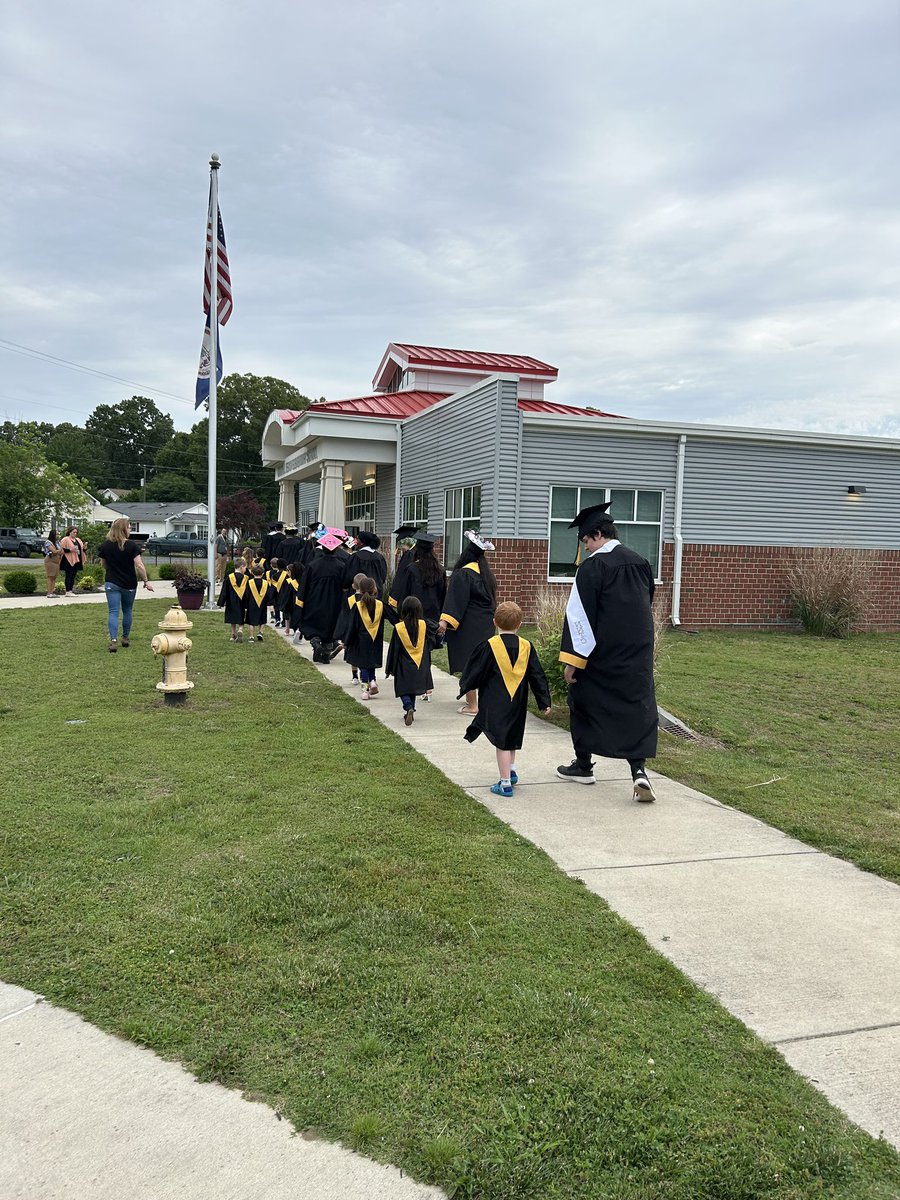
(175,620)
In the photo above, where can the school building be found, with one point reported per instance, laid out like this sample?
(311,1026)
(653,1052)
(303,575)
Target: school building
(453,440)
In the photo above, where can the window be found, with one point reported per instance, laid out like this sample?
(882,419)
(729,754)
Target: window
(462,510)
(637,514)
(415,509)
(359,507)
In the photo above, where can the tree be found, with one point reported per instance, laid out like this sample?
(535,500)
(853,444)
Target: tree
(34,490)
(241,513)
(77,451)
(244,403)
(20,433)
(129,435)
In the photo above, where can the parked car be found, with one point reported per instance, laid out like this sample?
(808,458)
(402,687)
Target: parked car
(177,543)
(20,541)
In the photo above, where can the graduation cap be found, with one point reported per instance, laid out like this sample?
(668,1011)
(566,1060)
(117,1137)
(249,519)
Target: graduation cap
(589,518)
(425,539)
(290,529)
(477,540)
(406,531)
(329,542)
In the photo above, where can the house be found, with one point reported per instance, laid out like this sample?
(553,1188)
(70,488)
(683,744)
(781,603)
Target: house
(456,439)
(157,519)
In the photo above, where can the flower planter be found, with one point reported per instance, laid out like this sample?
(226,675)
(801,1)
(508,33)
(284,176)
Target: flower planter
(190,600)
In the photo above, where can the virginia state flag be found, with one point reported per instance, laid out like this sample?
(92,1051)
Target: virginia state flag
(201,394)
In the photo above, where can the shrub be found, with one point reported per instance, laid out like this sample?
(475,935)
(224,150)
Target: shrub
(87,582)
(167,571)
(187,580)
(59,590)
(829,589)
(98,573)
(20,583)
(551,609)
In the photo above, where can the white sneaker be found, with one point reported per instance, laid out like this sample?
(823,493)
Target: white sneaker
(643,789)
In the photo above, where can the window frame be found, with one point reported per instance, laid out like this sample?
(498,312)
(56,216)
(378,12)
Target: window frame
(464,522)
(366,504)
(607,493)
(420,501)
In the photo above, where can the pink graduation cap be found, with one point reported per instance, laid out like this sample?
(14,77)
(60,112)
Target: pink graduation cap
(329,541)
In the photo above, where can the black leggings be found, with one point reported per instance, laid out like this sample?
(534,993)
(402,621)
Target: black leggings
(70,572)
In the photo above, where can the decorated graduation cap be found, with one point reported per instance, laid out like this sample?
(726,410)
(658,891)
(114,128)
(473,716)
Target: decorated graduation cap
(477,540)
(290,529)
(330,541)
(589,518)
(320,531)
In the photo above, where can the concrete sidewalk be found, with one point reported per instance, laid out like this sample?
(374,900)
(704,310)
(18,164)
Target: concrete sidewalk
(802,947)
(163,589)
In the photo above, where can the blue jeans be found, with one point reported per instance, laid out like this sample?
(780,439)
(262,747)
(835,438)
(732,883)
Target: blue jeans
(366,675)
(119,598)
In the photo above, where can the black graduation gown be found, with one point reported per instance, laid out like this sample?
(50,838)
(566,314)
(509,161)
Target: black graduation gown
(364,638)
(256,603)
(367,562)
(608,636)
(278,582)
(505,661)
(290,613)
(411,678)
(321,595)
(290,549)
(408,582)
(233,597)
(342,628)
(469,612)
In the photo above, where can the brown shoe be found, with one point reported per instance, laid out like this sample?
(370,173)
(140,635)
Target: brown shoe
(113,646)
(409,716)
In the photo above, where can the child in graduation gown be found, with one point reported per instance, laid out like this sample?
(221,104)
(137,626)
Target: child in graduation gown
(409,654)
(364,641)
(257,601)
(502,669)
(342,629)
(233,598)
(277,576)
(290,613)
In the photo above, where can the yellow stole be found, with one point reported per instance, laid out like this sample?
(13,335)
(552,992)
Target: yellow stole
(295,583)
(512,675)
(416,651)
(351,601)
(472,567)
(258,594)
(372,624)
(278,583)
(239,588)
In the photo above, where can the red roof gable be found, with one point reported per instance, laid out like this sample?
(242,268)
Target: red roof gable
(442,358)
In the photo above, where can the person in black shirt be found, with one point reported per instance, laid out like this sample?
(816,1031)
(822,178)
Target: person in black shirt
(122,563)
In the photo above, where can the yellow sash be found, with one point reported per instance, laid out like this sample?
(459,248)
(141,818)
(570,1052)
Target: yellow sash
(295,584)
(239,588)
(258,594)
(472,567)
(416,651)
(351,601)
(512,675)
(372,624)
(278,583)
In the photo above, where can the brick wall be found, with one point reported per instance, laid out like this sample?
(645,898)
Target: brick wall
(720,585)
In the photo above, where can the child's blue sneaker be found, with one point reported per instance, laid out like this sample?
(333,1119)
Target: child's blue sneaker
(501,789)
(513,778)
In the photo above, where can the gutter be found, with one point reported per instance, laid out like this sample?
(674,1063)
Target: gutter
(679,538)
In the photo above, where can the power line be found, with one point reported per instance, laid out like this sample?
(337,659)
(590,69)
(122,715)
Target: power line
(30,352)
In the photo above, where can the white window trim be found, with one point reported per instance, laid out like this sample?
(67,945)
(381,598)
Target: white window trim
(657,567)
(415,496)
(462,519)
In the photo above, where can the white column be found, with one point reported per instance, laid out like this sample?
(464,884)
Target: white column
(287,507)
(331,494)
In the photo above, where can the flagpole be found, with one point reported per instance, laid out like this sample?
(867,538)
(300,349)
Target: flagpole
(213,363)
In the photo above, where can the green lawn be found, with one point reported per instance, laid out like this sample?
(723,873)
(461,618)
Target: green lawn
(275,890)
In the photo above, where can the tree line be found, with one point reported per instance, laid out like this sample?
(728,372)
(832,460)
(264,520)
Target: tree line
(122,444)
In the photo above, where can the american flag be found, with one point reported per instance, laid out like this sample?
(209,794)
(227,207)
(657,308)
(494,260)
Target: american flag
(225,304)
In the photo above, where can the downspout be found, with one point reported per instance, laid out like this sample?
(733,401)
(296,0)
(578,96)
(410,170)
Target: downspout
(398,503)
(679,539)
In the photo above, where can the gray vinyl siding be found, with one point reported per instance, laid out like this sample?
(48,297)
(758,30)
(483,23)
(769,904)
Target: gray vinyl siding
(507,450)
(456,445)
(385,493)
(307,497)
(780,494)
(555,457)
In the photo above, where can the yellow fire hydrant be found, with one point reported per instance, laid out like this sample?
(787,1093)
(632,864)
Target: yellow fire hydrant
(173,645)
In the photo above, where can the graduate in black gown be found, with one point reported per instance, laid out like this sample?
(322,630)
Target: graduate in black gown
(364,639)
(607,648)
(256,600)
(468,614)
(291,546)
(232,597)
(367,560)
(422,575)
(292,610)
(277,577)
(272,540)
(321,597)
(409,654)
(501,670)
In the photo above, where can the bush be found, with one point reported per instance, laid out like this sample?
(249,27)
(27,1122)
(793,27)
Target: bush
(167,571)
(87,582)
(829,589)
(187,580)
(551,609)
(20,583)
(98,573)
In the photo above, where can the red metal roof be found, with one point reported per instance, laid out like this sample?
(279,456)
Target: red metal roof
(439,356)
(396,406)
(564,410)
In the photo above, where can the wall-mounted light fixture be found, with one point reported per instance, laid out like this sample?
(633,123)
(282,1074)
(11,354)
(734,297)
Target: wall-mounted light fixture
(348,485)
(369,480)
(855,490)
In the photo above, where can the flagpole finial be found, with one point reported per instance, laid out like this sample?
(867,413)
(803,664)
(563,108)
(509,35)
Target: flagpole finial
(214,162)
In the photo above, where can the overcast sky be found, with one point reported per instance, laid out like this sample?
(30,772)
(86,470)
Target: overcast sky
(691,209)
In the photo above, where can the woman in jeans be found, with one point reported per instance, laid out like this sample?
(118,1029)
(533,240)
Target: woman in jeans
(122,563)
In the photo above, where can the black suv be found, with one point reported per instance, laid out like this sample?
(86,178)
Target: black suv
(20,541)
(179,542)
